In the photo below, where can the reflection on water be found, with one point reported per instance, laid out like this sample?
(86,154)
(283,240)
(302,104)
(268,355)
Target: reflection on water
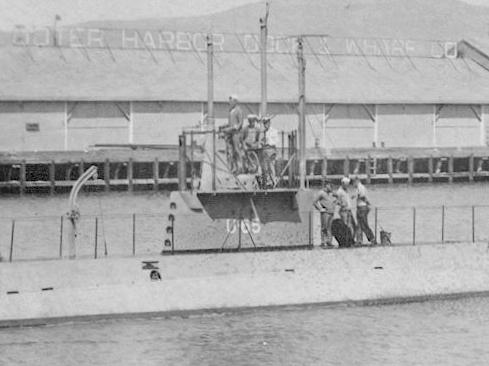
(430,333)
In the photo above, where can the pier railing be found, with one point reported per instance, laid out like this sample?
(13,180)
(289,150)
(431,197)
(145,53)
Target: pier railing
(27,238)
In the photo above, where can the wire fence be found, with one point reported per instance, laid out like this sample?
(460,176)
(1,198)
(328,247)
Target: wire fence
(46,237)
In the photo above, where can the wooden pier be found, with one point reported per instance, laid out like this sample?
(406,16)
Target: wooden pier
(157,169)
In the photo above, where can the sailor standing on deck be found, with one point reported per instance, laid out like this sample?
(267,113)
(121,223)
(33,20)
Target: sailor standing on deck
(345,205)
(235,124)
(363,208)
(325,202)
(269,141)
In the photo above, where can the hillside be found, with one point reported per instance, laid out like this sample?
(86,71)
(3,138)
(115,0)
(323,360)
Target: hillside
(420,19)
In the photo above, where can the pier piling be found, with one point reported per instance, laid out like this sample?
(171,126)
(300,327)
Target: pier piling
(471,168)
(130,175)
(390,170)
(52,178)
(107,175)
(156,174)
(22,177)
(450,169)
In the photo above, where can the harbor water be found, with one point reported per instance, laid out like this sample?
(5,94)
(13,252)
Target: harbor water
(451,332)
(429,333)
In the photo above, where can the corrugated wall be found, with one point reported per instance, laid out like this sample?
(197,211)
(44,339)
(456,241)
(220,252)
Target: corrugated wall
(41,125)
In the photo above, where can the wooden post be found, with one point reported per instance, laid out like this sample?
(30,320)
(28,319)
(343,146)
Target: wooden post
(473,224)
(96,237)
(61,237)
(443,224)
(410,164)
(302,113)
(390,170)
(22,177)
(10,256)
(450,169)
(289,169)
(52,177)
(156,173)
(130,175)
(367,168)
(133,234)
(471,168)
(192,171)
(430,169)
(376,222)
(107,175)
(414,225)
(214,159)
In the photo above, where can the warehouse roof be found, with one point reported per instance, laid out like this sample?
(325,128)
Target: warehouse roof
(49,73)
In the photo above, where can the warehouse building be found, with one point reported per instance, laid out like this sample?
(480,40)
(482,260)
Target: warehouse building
(71,98)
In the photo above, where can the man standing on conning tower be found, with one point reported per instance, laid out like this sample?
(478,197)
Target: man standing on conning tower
(235,124)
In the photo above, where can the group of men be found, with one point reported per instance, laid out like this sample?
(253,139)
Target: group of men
(337,219)
(257,135)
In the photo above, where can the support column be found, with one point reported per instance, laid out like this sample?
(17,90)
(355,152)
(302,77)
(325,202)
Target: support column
(65,126)
(376,127)
(131,124)
(483,125)
(436,116)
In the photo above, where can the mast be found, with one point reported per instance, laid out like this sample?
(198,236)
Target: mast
(210,103)
(302,112)
(263,59)
(210,80)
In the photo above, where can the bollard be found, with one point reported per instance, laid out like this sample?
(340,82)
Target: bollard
(61,237)
(133,234)
(414,225)
(12,241)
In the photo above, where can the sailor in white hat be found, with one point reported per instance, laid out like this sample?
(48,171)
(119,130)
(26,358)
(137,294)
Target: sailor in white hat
(345,204)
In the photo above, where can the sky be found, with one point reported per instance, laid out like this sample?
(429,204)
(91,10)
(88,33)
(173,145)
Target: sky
(42,12)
